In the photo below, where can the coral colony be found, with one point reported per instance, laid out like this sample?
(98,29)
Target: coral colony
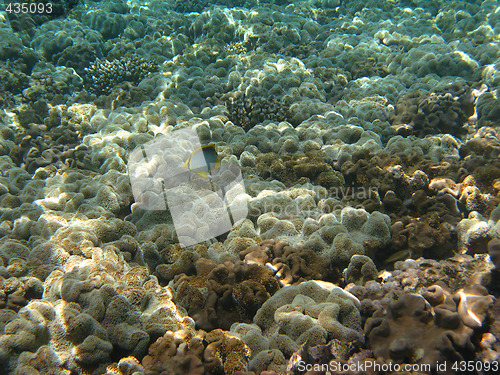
(247,187)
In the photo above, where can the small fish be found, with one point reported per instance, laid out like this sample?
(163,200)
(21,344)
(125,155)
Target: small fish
(399,255)
(203,160)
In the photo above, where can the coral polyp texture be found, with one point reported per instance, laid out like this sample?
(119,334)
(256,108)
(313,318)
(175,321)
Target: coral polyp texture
(445,324)
(338,173)
(102,76)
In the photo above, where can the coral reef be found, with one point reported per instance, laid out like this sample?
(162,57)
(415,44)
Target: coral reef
(199,352)
(250,111)
(363,137)
(310,311)
(220,295)
(296,168)
(68,43)
(290,265)
(102,75)
(444,323)
(444,111)
(361,269)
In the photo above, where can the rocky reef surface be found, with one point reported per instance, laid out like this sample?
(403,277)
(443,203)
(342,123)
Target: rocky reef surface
(368,138)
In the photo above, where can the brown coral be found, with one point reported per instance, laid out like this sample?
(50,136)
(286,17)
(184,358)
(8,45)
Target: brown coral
(444,111)
(186,352)
(297,168)
(415,276)
(248,111)
(219,295)
(291,265)
(390,335)
(17,292)
(367,68)
(176,352)
(430,329)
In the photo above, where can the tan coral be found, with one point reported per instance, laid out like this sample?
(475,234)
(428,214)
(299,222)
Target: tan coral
(313,310)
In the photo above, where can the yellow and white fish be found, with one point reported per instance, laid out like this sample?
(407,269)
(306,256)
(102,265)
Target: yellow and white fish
(203,160)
